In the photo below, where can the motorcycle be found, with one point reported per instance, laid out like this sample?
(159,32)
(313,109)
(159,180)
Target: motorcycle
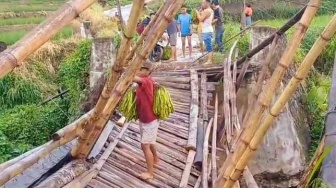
(157,52)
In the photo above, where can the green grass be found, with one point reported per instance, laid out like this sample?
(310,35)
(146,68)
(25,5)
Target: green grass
(12,37)
(319,21)
(21,21)
(27,8)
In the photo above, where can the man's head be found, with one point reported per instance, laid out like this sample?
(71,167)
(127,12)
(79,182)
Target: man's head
(248,5)
(145,69)
(184,9)
(206,4)
(214,4)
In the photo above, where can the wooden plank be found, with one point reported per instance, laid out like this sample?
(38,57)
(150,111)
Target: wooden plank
(187,169)
(192,137)
(101,140)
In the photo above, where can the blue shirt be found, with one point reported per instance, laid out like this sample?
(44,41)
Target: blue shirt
(184,20)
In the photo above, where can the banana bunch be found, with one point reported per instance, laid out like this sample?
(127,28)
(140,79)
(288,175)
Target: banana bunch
(163,105)
(194,16)
(128,105)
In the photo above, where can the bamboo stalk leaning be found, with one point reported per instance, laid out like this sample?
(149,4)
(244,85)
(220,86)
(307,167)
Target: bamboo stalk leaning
(122,85)
(81,150)
(13,56)
(300,75)
(235,163)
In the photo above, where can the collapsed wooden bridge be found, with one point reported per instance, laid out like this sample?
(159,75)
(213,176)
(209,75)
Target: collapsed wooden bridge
(183,141)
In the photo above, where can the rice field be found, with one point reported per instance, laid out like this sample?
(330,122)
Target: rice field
(18,20)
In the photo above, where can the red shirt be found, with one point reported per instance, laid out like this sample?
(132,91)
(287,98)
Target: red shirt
(145,100)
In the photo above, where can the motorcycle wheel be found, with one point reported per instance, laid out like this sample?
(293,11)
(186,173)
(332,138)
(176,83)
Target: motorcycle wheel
(156,54)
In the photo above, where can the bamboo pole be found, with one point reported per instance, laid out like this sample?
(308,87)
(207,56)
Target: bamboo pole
(17,168)
(312,165)
(65,174)
(192,137)
(13,56)
(249,179)
(81,149)
(71,127)
(233,166)
(205,169)
(213,145)
(300,75)
(84,179)
(89,137)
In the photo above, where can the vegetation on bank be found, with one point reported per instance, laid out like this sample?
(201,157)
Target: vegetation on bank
(24,122)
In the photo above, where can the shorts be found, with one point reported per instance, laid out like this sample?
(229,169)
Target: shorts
(173,39)
(185,35)
(207,38)
(148,132)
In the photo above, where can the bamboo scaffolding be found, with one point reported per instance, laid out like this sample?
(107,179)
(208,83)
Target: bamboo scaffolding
(82,149)
(233,166)
(122,85)
(192,136)
(84,179)
(13,56)
(213,145)
(205,169)
(199,179)
(17,168)
(300,75)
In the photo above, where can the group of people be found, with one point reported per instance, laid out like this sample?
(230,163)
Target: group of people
(209,15)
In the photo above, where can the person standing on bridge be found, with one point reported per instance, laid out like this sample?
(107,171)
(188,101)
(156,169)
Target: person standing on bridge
(219,26)
(149,123)
(172,31)
(184,21)
(207,30)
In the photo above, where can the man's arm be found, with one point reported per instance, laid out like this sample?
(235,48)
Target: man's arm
(137,79)
(203,16)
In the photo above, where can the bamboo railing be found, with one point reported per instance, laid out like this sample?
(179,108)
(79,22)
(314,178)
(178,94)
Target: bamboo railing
(13,56)
(90,135)
(236,161)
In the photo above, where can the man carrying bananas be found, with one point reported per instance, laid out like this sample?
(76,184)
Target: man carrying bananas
(149,123)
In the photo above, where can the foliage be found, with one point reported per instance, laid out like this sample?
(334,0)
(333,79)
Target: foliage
(74,75)
(20,21)
(30,125)
(316,102)
(167,53)
(231,30)
(17,90)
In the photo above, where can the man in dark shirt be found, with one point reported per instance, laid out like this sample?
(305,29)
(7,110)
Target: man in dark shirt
(219,26)
(172,31)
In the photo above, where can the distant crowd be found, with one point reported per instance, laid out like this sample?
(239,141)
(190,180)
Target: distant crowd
(210,22)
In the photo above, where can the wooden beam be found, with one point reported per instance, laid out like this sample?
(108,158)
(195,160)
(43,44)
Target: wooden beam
(187,169)
(192,137)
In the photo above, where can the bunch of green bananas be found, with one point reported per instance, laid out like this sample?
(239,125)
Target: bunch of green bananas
(163,105)
(128,105)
